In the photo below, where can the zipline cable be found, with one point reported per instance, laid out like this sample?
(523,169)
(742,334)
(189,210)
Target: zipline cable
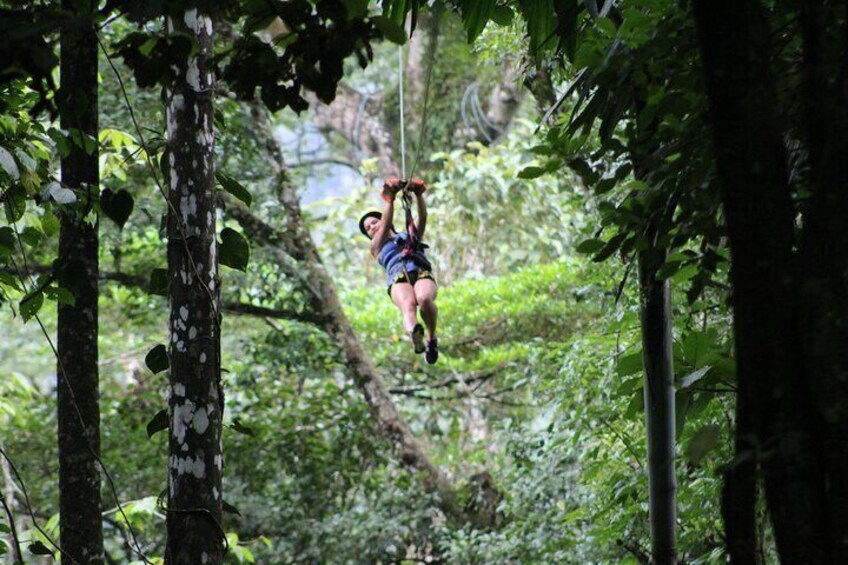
(431,59)
(402,126)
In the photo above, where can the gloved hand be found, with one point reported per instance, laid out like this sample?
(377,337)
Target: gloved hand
(417,186)
(390,188)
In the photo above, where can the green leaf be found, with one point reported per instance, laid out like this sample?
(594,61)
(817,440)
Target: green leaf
(50,224)
(8,164)
(356,8)
(235,250)
(234,187)
(610,248)
(702,443)
(503,15)
(9,280)
(390,29)
(31,304)
(475,16)
(60,295)
(38,548)
(590,246)
(157,359)
(158,423)
(60,194)
(541,19)
(7,241)
(629,364)
(15,204)
(117,205)
(159,284)
(4,529)
(531,172)
(31,236)
(230,508)
(241,428)
(694,376)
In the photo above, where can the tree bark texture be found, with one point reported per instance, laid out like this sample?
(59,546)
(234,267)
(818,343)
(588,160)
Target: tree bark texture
(657,340)
(824,246)
(80,525)
(774,406)
(196,401)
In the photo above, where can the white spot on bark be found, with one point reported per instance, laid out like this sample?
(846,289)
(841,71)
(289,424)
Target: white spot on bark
(191,19)
(207,23)
(181,347)
(184,313)
(203,557)
(183,415)
(193,77)
(203,357)
(200,422)
(215,493)
(174,337)
(219,462)
(179,389)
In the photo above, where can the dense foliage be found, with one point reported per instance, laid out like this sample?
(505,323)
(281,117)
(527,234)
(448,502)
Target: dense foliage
(542,217)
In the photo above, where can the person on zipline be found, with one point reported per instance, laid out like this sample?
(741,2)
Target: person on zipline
(409,274)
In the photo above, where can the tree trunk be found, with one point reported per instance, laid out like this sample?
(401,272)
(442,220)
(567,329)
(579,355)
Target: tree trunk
(657,340)
(196,401)
(80,525)
(773,398)
(825,247)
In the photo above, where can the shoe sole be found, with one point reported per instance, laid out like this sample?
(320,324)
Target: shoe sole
(432,358)
(417,336)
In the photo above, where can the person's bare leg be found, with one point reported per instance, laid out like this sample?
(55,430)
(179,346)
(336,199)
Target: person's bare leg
(403,296)
(425,296)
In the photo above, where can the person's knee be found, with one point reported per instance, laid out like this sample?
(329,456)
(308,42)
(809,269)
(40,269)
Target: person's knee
(427,301)
(408,304)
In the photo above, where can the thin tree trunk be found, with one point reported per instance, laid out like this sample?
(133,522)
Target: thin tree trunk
(657,340)
(773,398)
(196,400)
(80,525)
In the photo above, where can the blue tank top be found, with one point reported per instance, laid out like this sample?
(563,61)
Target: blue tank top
(392,259)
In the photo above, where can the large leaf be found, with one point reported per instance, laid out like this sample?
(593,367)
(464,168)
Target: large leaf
(158,423)
(117,205)
(390,29)
(31,304)
(159,284)
(8,164)
(38,548)
(235,250)
(234,187)
(702,443)
(157,359)
(475,15)
(694,377)
(541,26)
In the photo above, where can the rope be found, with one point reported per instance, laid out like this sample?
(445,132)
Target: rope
(402,126)
(433,44)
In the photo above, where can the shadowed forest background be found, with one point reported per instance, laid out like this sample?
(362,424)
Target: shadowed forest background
(637,221)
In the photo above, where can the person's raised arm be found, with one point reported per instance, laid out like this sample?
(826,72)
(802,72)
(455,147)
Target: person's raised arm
(390,188)
(418,188)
